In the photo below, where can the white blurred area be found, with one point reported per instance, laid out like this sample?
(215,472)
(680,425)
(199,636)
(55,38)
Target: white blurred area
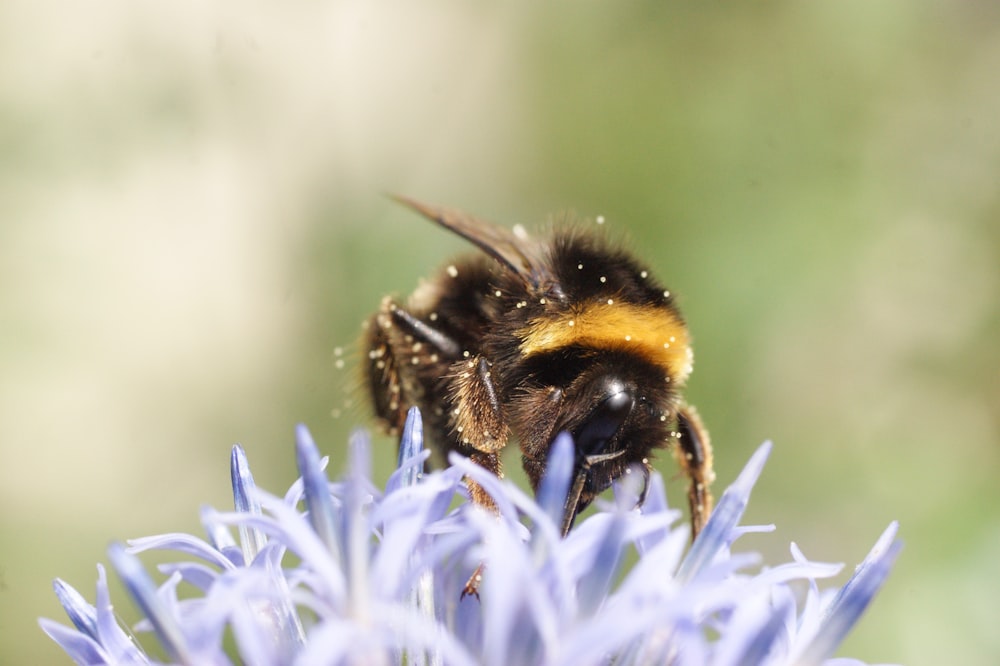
(158,193)
(153,224)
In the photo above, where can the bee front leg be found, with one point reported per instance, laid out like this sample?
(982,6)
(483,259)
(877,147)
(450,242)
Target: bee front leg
(694,454)
(478,424)
(480,428)
(478,417)
(479,496)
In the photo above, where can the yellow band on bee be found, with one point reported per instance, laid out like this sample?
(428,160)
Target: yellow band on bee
(654,333)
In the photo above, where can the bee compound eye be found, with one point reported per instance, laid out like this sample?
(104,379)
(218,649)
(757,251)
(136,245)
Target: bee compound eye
(605,419)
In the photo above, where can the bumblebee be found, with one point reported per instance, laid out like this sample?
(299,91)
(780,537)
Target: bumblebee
(532,337)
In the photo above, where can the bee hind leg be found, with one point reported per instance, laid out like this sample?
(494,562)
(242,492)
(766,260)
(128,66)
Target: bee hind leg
(382,372)
(406,355)
(694,454)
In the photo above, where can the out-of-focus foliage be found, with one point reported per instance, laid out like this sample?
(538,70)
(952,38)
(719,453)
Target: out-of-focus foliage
(193,222)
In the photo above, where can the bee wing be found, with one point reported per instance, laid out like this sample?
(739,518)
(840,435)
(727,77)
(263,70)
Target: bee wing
(519,252)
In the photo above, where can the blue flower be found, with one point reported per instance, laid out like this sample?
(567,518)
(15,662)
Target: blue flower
(362,575)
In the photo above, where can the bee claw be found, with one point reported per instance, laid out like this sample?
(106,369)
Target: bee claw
(646,471)
(472,585)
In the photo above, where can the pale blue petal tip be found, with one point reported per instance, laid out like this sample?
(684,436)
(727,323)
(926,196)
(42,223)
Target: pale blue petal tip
(81,613)
(555,482)
(412,440)
(143,591)
(854,598)
(242,480)
(718,531)
(316,489)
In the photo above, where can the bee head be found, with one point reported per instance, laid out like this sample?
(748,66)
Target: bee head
(617,408)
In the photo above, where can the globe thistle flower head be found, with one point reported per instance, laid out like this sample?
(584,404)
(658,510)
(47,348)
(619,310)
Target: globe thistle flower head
(346,573)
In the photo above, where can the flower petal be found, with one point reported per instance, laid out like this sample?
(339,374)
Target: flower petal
(245,501)
(717,532)
(322,515)
(854,597)
(143,592)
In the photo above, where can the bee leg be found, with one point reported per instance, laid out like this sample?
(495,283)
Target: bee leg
(479,496)
(694,454)
(646,470)
(472,585)
(477,419)
(422,331)
(382,370)
(479,426)
(401,347)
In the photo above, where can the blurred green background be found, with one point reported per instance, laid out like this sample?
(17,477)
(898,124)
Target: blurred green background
(193,219)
